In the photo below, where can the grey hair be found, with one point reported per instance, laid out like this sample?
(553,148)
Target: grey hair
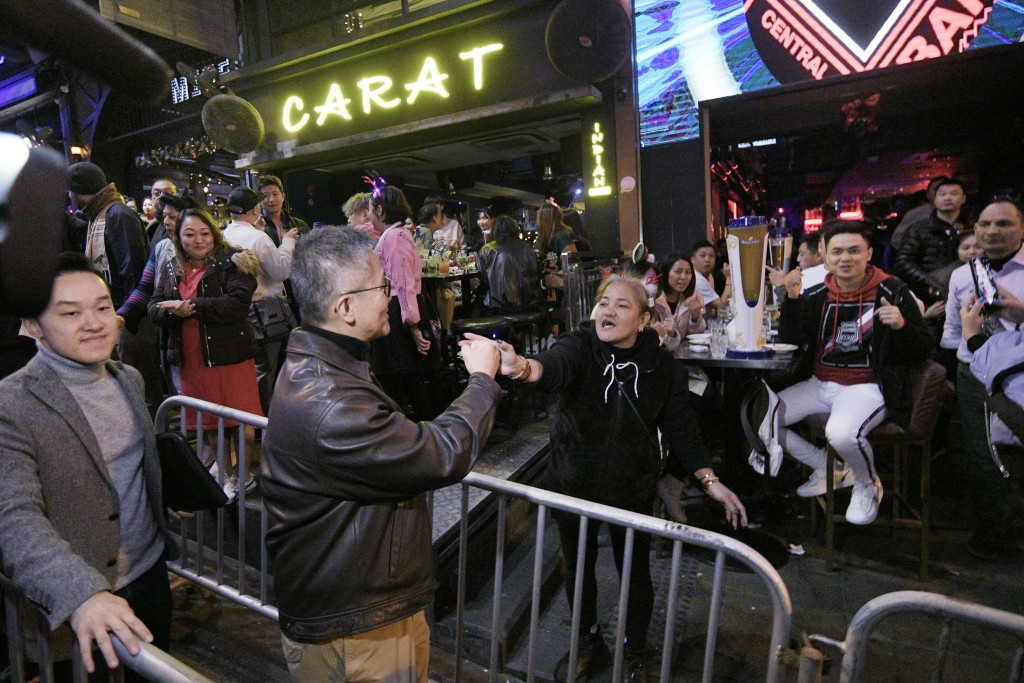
(328,261)
(635,287)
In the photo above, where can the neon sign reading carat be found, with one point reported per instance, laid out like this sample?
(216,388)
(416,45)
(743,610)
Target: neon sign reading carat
(376,91)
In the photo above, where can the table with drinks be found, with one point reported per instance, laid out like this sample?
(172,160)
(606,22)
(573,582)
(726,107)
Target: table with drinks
(438,272)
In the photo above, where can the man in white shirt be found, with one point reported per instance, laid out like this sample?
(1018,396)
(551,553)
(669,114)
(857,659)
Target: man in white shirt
(812,264)
(270,314)
(704,255)
(1000,231)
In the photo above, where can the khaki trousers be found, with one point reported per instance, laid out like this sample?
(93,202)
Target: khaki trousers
(396,653)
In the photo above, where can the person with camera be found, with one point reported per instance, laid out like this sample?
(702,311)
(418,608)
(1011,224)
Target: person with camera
(970,321)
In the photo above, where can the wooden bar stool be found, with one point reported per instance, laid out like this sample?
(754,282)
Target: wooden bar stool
(928,382)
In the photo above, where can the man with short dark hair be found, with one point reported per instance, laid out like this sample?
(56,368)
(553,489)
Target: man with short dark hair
(916,214)
(1000,232)
(861,331)
(344,474)
(82,529)
(430,218)
(703,257)
(279,219)
(162,186)
(932,243)
(269,301)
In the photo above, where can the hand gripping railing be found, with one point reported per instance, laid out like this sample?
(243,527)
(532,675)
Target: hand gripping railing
(194,563)
(151,662)
(949,609)
(723,546)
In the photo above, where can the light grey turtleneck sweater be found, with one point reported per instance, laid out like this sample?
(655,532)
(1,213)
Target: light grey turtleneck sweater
(119,433)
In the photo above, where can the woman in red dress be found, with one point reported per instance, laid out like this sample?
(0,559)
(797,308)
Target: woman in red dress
(203,302)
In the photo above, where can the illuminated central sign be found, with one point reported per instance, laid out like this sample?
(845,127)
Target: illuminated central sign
(814,39)
(376,92)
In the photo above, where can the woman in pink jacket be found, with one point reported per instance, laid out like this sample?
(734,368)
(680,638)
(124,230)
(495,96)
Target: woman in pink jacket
(397,359)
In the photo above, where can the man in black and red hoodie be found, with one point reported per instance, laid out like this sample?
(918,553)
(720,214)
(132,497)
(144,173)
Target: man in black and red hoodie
(861,332)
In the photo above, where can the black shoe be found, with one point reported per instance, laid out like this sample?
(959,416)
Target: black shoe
(634,667)
(984,544)
(593,656)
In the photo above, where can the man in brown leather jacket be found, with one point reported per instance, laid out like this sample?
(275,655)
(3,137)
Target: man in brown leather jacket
(345,475)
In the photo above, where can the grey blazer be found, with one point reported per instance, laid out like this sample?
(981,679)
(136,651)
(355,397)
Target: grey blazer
(59,532)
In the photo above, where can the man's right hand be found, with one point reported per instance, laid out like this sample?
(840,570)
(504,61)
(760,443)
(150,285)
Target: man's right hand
(480,354)
(99,614)
(794,283)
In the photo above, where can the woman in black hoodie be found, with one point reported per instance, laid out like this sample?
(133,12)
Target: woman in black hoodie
(616,389)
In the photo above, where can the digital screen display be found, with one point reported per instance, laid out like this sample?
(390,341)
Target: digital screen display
(693,50)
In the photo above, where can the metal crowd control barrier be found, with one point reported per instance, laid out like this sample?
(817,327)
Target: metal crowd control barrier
(949,609)
(782,609)
(582,273)
(195,565)
(195,562)
(151,662)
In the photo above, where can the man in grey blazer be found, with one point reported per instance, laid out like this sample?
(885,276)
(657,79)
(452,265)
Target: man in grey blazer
(82,528)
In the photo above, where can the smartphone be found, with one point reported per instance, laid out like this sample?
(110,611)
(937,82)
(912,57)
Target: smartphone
(984,283)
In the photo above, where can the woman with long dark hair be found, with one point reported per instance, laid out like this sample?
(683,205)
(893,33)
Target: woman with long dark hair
(203,303)
(679,309)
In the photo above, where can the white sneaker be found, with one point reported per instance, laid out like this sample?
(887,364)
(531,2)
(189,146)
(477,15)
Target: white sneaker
(815,486)
(231,488)
(864,503)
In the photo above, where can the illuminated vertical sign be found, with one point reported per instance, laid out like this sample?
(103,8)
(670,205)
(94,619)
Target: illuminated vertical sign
(598,149)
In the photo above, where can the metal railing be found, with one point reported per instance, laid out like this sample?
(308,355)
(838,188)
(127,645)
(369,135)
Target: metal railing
(868,617)
(209,566)
(588,512)
(151,662)
(582,273)
(204,557)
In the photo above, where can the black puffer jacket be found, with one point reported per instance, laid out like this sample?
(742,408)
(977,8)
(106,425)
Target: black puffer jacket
(611,404)
(343,475)
(928,246)
(222,308)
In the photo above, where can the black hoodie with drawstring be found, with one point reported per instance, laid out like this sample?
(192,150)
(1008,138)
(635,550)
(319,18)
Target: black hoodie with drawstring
(843,340)
(611,403)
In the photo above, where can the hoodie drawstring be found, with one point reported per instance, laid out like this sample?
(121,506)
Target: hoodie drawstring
(612,367)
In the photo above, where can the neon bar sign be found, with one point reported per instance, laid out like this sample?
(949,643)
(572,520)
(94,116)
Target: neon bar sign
(599,186)
(813,39)
(376,91)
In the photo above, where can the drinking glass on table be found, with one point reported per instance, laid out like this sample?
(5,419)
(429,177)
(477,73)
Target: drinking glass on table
(719,337)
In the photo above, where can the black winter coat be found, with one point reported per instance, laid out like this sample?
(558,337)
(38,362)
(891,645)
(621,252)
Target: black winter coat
(222,308)
(611,404)
(927,247)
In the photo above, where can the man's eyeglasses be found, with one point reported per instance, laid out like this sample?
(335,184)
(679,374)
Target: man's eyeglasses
(386,287)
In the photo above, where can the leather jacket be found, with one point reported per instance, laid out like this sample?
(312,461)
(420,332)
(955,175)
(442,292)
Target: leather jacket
(222,308)
(344,476)
(510,276)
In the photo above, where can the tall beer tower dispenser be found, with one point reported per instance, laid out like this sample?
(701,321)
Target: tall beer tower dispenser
(748,247)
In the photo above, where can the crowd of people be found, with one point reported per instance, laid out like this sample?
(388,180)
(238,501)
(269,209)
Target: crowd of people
(208,309)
